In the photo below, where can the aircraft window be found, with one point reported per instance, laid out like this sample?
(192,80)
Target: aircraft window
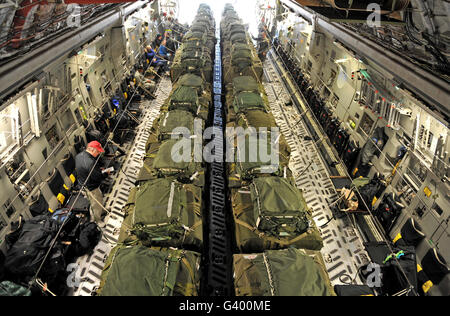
(438,210)
(430,140)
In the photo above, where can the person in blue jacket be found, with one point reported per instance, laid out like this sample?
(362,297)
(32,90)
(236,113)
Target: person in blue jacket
(163,57)
(150,54)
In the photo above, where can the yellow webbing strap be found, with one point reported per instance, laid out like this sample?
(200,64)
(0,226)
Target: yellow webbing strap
(189,268)
(397,238)
(195,226)
(244,224)
(427,286)
(61,198)
(148,169)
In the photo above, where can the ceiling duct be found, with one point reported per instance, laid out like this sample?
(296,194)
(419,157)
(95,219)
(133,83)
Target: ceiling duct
(352,11)
(360,5)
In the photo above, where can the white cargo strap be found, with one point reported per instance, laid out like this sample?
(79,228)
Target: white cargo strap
(170,205)
(258,204)
(166,272)
(194,176)
(165,119)
(186,228)
(277,141)
(269,274)
(258,221)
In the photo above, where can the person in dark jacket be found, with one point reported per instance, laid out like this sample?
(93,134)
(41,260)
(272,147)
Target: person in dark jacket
(158,40)
(263,45)
(91,176)
(370,151)
(170,45)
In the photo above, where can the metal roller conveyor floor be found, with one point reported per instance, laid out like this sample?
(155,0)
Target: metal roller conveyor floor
(343,250)
(86,278)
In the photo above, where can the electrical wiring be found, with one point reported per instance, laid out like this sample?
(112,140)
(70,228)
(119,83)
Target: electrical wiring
(45,27)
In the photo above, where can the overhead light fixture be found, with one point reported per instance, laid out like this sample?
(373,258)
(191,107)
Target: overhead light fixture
(339,61)
(33,111)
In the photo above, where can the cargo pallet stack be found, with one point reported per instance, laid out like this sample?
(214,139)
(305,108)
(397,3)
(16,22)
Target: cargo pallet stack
(277,244)
(162,238)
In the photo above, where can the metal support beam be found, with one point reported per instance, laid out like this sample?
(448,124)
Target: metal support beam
(24,69)
(430,88)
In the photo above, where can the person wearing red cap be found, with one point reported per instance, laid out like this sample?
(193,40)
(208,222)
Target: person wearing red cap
(90,176)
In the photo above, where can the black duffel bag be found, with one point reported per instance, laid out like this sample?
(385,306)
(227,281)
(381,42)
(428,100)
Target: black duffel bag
(27,253)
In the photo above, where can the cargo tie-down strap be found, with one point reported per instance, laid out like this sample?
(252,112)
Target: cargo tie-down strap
(269,274)
(172,266)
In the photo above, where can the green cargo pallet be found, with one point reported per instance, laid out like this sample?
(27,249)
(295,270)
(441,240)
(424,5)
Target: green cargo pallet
(248,162)
(271,213)
(164,213)
(290,272)
(140,271)
(159,163)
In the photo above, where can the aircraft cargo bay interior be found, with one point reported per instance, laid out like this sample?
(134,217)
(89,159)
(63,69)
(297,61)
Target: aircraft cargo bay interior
(257,148)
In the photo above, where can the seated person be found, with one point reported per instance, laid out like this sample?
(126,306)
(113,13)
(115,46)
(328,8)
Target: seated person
(150,54)
(170,46)
(157,41)
(143,82)
(163,56)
